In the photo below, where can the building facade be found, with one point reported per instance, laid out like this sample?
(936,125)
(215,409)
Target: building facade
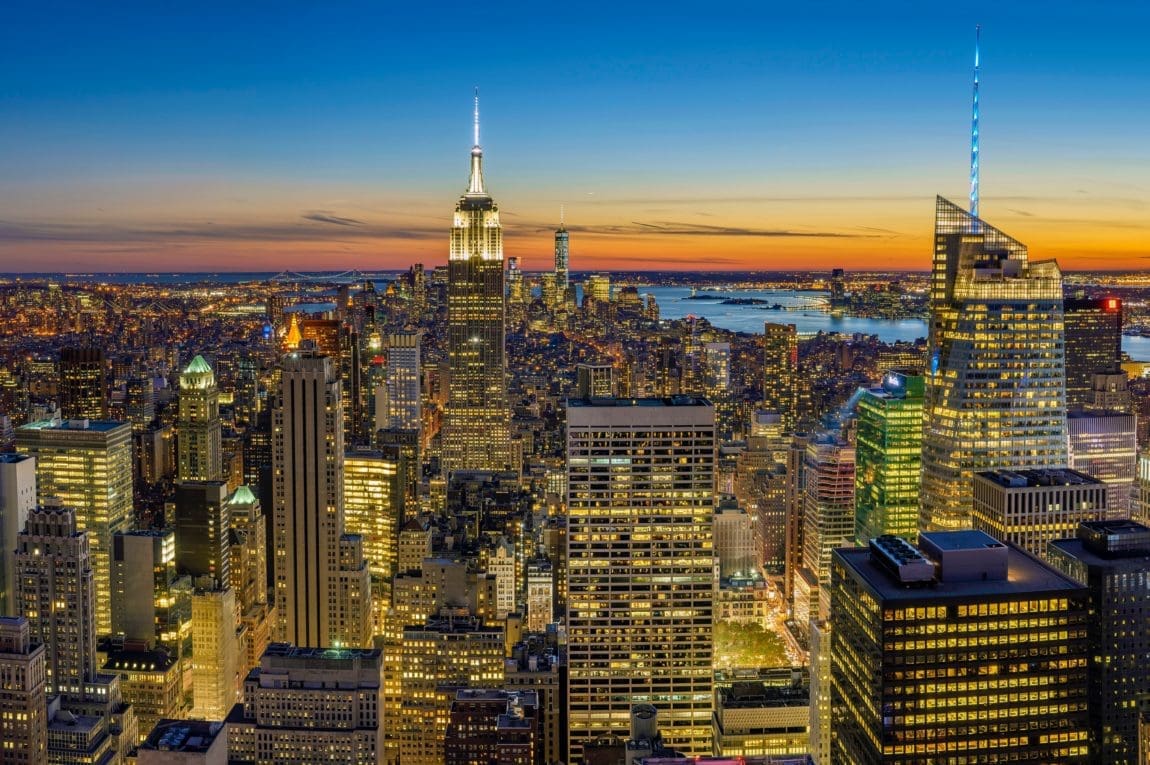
(996,376)
(889,458)
(960,650)
(1112,558)
(1031,508)
(199,449)
(86,465)
(641,567)
(476,427)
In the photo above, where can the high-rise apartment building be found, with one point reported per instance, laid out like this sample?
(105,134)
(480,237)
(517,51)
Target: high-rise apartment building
(476,427)
(1093,329)
(86,465)
(962,649)
(199,453)
(23,705)
(1030,508)
(889,457)
(308,705)
(311,557)
(404,408)
(83,388)
(17,499)
(54,587)
(641,494)
(781,372)
(995,382)
(1112,558)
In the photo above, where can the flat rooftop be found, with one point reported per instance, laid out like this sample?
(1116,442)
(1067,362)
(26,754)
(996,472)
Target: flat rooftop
(1018,479)
(1024,575)
(183,736)
(649,402)
(93,426)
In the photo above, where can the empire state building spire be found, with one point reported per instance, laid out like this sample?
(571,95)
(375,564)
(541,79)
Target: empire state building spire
(475,185)
(476,424)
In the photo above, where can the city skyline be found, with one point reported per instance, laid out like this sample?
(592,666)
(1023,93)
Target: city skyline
(785,140)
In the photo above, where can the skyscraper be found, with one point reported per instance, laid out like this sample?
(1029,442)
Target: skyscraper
(1093,344)
(889,457)
(995,383)
(1112,558)
(54,589)
(476,428)
(309,705)
(83,392)
(781,372)
(373,509)
(308,514)
(959,650)
(202,526)
(17,499)
(87,466)
(641,493)
(828,517)
(562,262)
(23,707)
(403,384)
(199,454)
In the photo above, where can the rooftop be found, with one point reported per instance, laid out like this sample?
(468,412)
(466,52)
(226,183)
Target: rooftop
(681,400)
(183,735)
(1017,479)
(1024,575)
(95,426)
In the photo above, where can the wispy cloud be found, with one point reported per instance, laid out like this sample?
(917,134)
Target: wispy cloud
(325,216)
(673,228)
(53,231)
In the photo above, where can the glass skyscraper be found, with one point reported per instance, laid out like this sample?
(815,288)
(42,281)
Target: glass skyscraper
(996,376)
(889,457)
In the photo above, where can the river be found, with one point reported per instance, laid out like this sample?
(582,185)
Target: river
(675,303)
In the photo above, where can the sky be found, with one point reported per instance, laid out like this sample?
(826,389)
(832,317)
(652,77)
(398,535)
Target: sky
(306,135)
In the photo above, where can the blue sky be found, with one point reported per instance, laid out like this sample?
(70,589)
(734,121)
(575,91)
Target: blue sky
(122,123)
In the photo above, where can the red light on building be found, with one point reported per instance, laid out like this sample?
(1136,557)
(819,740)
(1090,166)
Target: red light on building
(1112,304)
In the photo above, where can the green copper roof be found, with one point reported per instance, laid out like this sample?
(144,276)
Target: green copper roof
(198,367)
(242,496)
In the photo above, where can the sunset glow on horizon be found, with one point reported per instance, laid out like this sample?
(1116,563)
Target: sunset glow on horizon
(172,143)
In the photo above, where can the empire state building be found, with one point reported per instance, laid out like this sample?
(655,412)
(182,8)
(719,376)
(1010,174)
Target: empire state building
(476,428)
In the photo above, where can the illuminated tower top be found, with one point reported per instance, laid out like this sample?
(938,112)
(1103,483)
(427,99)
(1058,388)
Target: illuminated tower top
(475,187)
(974,132)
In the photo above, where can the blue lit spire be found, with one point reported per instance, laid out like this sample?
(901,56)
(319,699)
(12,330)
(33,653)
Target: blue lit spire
(974,133)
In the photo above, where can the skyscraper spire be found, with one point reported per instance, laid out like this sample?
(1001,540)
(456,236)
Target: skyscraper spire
(476,144)
(475,185)
(974,132)
(562,219)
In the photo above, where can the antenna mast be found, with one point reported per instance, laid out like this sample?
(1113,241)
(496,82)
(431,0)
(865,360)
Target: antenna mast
(974,131)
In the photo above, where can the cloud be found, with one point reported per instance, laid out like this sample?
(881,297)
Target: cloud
(1023,213)
(95,233)
(323,216)
(669,228)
